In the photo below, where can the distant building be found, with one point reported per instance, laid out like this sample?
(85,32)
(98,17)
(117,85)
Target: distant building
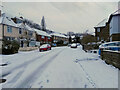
(102,31)
(114,21)
(56,37)
(42,37)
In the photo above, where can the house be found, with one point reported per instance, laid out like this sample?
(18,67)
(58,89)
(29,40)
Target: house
(16,31)
(8,29)
(56,37)
(43,37)
(114,21)
(31,35)
(27,36)
(102,31)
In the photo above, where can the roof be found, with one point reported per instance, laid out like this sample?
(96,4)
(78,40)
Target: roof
(102,23)
(4,19)
(20,25)
(28,28)
(39,32)
(116,13)
(58,35)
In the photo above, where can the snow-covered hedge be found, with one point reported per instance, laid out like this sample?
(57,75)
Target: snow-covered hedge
(10,47)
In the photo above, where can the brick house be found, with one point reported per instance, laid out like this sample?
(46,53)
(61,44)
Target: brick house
(56,37)
(42,37)
(114,21)
(102,31)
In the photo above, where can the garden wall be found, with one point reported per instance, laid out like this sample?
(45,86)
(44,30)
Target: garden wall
(111,57)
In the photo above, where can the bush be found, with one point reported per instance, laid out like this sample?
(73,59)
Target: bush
(10,47)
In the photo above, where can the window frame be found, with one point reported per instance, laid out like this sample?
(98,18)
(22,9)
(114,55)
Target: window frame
(9,29)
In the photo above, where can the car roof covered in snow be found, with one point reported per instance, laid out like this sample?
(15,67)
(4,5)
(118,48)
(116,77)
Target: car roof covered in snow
(40,32)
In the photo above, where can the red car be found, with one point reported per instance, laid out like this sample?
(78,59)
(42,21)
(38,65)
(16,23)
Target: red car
(45,47)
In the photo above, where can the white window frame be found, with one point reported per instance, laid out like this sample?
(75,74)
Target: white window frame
(9,29)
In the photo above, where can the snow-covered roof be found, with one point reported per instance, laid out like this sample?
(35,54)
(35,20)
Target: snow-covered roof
(58,35)
(39,32)
(28,28)
(102,23)
(20,25)
(4,19)
(114,14)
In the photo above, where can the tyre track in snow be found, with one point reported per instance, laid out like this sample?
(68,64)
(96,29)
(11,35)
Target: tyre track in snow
(8,71)
(88,77)
(27,82)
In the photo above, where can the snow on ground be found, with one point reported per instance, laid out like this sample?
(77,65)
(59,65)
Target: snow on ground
(61,67)
(90,72)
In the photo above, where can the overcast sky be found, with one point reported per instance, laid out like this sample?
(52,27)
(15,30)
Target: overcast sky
(63,17)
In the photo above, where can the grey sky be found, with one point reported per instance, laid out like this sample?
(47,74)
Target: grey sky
(66,16)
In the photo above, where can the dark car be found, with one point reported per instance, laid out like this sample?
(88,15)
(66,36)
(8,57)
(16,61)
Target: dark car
(45,47)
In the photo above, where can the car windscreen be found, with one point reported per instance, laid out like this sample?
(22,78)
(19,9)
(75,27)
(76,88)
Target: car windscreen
(44,46)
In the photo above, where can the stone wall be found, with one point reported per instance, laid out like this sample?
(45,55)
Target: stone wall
(111,57)
(28,48)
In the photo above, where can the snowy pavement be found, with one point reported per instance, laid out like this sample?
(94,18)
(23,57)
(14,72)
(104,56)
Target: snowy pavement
(61,67)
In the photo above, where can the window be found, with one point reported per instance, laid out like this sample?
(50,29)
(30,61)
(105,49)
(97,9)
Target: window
(9,29)
(98,30)
(20,31)
(118,44)
(42,37)
(30,33)
(97,38)
(48,37)
(101,38)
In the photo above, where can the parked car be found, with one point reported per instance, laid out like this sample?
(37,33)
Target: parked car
(115,46)
(54,44)
(78,44)
(45,47)
(69,45)
(74,45)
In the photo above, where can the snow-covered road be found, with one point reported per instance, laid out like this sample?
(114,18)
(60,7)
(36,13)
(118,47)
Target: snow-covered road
(61,67)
